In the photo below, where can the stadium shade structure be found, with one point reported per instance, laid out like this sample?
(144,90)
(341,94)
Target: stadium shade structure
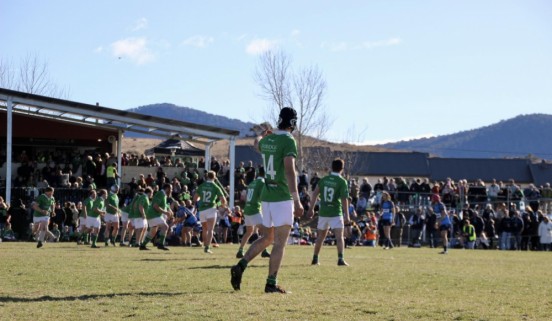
(95,116)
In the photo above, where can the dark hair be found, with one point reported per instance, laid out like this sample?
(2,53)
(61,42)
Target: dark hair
(287,118)
(261,172)
(337,165)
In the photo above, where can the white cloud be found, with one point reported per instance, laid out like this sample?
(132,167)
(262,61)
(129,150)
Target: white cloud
(258,46)
(99,49)
(345,46)
(134,49)
(296,37)
(382,43)
(198,41)
(336,46)
(140,24)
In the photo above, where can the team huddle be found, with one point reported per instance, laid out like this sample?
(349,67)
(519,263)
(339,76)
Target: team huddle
(272,202)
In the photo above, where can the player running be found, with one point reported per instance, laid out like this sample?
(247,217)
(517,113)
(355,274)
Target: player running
(84,231)
(208,192)
(139,208)
(157,214)
(111,218)
(443,220)
(388,212)
(93,222)
(252,212)
(43,207)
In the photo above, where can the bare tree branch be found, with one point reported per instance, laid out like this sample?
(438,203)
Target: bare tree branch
(304,91)
(272,75)
(7,77)
(31,76)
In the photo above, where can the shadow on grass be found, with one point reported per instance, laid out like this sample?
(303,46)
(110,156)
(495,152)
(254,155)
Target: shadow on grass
(47,298)
(160,260)
(221,267)
(211,267)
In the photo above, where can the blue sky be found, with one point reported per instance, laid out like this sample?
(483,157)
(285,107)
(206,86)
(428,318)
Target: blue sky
(395,69)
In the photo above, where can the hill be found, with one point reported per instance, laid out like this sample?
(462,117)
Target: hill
(521,136)
(190,115)
(137,142)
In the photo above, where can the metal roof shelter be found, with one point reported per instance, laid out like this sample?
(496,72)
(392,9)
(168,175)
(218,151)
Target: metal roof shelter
(248,153)
(36,106)
(476,168)
(177,146)
(392,164)
(541,172)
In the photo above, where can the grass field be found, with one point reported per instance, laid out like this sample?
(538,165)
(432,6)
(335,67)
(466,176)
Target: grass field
(64,281)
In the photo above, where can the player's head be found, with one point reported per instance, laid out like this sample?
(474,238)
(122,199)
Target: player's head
(102,193)
(148,191)
(337,165)
(211,175)
(287,118)
(260,172)
(49,191)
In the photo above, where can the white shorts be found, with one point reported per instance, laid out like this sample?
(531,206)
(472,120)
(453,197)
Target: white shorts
(38,219)
(139,223)
(277,214)
(93,222)
(111,218)
(82,223)
(253,220)
(156,222)
(124,217)
(333,222)
(208,214)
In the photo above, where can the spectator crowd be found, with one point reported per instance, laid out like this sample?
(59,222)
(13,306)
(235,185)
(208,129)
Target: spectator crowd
(493,215)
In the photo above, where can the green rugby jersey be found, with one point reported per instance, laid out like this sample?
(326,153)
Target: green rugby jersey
(209,192)
(113,200)
(161,200)
(131,207)
(333,188)
(253,202)
(88,204)
(44,203)
(99,204)
(140,199)
(274,148)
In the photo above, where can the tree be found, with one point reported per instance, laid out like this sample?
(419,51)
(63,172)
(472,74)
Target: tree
(31,76)
(304,90)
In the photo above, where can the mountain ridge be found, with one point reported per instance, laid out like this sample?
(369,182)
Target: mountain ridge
(518,137)
(191,115)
